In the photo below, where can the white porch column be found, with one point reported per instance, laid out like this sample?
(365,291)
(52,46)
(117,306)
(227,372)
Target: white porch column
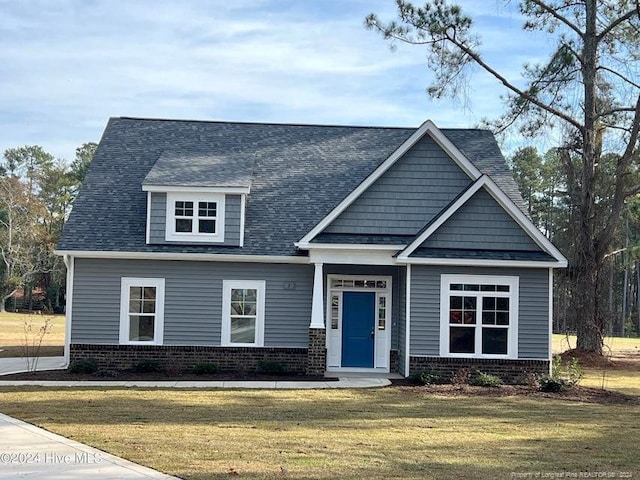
(317,309)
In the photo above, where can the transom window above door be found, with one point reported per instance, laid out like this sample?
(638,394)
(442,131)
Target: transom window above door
(358,283)
(195,217)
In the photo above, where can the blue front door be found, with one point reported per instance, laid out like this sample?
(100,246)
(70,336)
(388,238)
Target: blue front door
(358,322)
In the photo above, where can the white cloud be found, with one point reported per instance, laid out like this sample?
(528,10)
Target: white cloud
(66,66)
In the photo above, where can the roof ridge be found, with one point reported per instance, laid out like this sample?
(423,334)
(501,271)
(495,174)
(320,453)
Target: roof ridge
(241,122)
(285,124)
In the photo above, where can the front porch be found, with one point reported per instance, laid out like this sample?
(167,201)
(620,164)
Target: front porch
(357,319)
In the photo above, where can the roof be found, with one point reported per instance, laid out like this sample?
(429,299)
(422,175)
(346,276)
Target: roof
(190,168)
(299,173)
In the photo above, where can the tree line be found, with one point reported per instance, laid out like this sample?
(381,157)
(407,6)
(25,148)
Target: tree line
(36,194)
(547,190)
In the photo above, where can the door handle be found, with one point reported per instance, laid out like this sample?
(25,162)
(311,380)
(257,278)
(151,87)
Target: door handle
(373,334)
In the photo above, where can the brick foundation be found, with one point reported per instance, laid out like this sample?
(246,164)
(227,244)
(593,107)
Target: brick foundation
(119,357)
(394,361)
(510,371)
(317,353)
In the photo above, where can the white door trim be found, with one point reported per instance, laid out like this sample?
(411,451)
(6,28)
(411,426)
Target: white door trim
(382,340)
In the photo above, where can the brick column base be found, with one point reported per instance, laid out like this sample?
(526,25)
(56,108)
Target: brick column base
(317,352)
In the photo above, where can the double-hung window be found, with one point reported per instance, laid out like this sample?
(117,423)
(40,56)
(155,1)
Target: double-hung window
(243,313)
(195,217)
(479,316)
(141,310)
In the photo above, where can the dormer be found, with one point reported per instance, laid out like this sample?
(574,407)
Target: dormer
(197,198)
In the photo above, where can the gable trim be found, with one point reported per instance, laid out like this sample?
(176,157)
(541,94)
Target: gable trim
(206,257)
(509,207)
(195,189)
(348,246)
(473,262)
(427,128)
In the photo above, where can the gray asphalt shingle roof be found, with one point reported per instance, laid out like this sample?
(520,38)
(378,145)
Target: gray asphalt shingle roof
(299,173)
(189,168)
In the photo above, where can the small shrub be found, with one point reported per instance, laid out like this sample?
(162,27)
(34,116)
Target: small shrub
(271,368)
(425,377)
(461,376)
(204,368)
(147,366)
(574,371)
(486,380)
(107,373)
(88,365)
(530,379)
(563,376)
(552,384)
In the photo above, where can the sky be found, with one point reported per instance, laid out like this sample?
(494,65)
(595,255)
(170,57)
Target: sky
(66,66)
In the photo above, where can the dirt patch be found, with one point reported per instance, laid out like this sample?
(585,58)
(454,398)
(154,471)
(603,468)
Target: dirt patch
(625,360)
(576,394)
(126,376)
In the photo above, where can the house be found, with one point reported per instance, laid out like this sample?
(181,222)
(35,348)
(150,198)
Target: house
(323,248)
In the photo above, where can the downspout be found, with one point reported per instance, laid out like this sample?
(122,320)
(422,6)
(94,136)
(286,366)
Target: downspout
(407,320)
(69,263)
(550,319)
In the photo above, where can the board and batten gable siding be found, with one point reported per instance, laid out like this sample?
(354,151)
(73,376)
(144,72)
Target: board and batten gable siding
(408,195)
(533,311)
(157,220)
(481,223)
(193,299)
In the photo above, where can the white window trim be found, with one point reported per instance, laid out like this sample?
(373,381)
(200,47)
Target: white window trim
(513,295)
(158,331)
(170,227)
(227,286)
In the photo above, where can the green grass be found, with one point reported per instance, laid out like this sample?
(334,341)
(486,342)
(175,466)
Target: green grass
(12,334)
(348,434)
(613,345)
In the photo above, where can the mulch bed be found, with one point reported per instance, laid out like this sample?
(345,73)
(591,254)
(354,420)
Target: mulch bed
(127,376)
(576,394)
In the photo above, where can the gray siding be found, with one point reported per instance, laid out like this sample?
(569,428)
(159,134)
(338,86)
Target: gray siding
(157,221)
(193,299)
(407,196)
(533,312)
(232,207)
(481,223)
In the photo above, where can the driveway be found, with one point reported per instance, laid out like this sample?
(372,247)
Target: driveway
(19,364)
(29,452)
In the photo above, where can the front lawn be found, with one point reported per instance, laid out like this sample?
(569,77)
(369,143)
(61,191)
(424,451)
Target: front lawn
(397,432)
(12,334)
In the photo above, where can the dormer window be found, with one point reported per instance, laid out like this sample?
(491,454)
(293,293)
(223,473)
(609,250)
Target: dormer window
(202,219)
(195,217)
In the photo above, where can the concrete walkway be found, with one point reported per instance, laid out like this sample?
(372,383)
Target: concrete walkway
(19,364)
(347,382)
(29,452)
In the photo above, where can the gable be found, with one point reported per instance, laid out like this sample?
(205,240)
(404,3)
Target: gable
(411,192)
(481,224)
